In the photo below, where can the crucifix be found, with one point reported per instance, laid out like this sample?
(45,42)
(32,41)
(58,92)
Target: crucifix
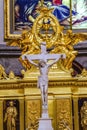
(43,64)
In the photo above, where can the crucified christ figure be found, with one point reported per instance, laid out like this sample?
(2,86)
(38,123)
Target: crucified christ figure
(43,65)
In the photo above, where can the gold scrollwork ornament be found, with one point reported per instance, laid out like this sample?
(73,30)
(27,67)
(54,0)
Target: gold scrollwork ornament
(46,27)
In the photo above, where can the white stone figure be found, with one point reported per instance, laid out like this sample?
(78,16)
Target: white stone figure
(43,65)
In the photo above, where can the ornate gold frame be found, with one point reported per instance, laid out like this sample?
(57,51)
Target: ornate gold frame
(10,33)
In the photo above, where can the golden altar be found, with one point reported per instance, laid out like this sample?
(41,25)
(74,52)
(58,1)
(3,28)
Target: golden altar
(67,96)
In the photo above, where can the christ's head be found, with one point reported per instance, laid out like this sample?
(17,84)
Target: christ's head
(42,63)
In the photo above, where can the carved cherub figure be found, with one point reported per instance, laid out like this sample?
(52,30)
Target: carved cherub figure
(65,44)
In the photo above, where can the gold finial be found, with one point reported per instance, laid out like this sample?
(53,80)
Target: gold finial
(11,75)
(42,2)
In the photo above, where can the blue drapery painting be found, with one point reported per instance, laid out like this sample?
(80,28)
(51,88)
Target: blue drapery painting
(26,12)
(25,8)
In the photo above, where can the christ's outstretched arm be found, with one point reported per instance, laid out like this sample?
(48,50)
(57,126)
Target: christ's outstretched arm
(54,61)
(31,61)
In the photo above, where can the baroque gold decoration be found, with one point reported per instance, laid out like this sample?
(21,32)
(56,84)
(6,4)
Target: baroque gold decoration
(63,114)
(11,116)
(33,114)
(83,74)
(83,113)
(47,28)
(11,75)
(65,44)
(3,74)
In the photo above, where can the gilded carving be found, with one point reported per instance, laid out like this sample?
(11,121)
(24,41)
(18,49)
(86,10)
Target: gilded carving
(11,75)
(63,114)
(47,28)
(33,114)
(65,44)
(18,84)
(3,74)
(83,74)
(11,118)
(83,112)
